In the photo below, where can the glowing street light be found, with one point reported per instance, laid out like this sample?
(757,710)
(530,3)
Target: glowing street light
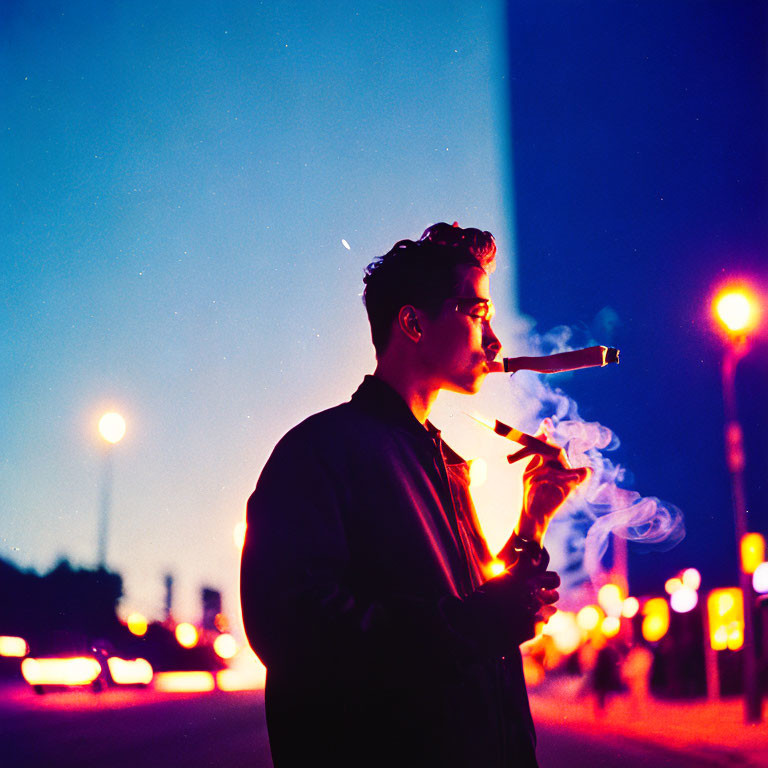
(112,430)
(738,313)
(737,310)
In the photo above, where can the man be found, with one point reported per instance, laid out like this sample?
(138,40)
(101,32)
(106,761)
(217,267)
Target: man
(365,576)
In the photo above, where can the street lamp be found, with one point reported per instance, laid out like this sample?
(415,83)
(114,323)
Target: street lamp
(738,312)
(112,429)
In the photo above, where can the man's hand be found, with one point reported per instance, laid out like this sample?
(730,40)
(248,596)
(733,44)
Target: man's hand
(547,483)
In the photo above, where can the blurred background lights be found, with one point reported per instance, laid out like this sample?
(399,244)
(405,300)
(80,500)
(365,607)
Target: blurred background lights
(725,614)
(137,624)
(225,646)
(691,578)
(611,626)
(588,617)
(630,607)
(79,670)
(684,599)
(655,619)
(752,551)
(610,599)
(13,646)
(672,585)
(184,682)
(496,567)
(564,631)
(760,579)
(130,671)
(186,635)
(112,427)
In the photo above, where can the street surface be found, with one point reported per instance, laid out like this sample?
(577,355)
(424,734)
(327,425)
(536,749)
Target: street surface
(122,729)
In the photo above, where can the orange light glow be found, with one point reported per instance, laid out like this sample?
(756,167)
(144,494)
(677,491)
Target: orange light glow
(478,472)
(656,619)
(225,646)
(112,427)
(610,599)
(691,578)
(752,552)
(630,607)
(79,670)
(725,612)
(564,631)
(137,624)
(610,626)
(672,585)
(737,309)
(13,646)
(130,671)
(186,635)
(589,617)
(252,679)
(496,567)
(184,682)
(221,622)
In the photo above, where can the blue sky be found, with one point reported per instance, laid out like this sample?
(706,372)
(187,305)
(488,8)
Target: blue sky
(178,184)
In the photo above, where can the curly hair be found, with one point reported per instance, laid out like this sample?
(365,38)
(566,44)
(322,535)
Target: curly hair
(422,273)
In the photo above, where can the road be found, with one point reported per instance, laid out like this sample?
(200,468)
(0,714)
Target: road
(126,729)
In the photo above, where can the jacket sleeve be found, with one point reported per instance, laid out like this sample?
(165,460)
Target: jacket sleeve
(302,605)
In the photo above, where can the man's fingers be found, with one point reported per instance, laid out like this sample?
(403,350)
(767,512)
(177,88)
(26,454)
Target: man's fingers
(547,596)
(548,580)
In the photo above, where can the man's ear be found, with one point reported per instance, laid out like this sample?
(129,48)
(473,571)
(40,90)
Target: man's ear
(408,321)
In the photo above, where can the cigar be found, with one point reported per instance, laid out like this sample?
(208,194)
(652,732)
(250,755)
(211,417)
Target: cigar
(591,357)
(530,443)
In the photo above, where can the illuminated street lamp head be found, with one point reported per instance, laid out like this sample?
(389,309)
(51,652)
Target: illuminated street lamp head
(737,310)
(112,427)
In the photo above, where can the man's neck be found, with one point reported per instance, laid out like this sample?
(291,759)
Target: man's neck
(418,395)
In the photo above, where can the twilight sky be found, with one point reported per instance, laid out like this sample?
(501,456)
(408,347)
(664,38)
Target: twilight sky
(179,179)
(180,182)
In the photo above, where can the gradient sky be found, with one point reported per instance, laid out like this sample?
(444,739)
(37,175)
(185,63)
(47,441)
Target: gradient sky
(179,183)
(179,179)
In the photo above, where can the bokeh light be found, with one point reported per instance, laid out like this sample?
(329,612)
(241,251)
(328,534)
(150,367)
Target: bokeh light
(655,619)
(225,646)
(630,607)
(13,646)
(684,599)
(137,624)
(610,599)
(186,635)
(752,551)
(760,579)
(112,427)
(672,585)
(588,617)
(691,578)
(496,567)
(610,626)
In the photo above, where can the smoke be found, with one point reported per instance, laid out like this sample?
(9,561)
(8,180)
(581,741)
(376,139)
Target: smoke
(611,508)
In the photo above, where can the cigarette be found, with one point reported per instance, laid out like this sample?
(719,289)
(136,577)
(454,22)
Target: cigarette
(591,357)
(530,443)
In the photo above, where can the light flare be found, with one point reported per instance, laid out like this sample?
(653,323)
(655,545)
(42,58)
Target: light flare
(610,599)
(589,617)
(478,472)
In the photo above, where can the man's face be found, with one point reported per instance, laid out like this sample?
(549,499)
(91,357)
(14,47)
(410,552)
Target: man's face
(458,343)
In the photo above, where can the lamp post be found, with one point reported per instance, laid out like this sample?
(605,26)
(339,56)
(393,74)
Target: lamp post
(737,312)
(112,429)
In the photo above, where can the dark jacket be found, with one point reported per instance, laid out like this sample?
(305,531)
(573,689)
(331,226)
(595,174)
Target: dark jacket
(359,530)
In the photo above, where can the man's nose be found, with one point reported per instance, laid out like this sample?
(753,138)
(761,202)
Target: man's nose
(491,342)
